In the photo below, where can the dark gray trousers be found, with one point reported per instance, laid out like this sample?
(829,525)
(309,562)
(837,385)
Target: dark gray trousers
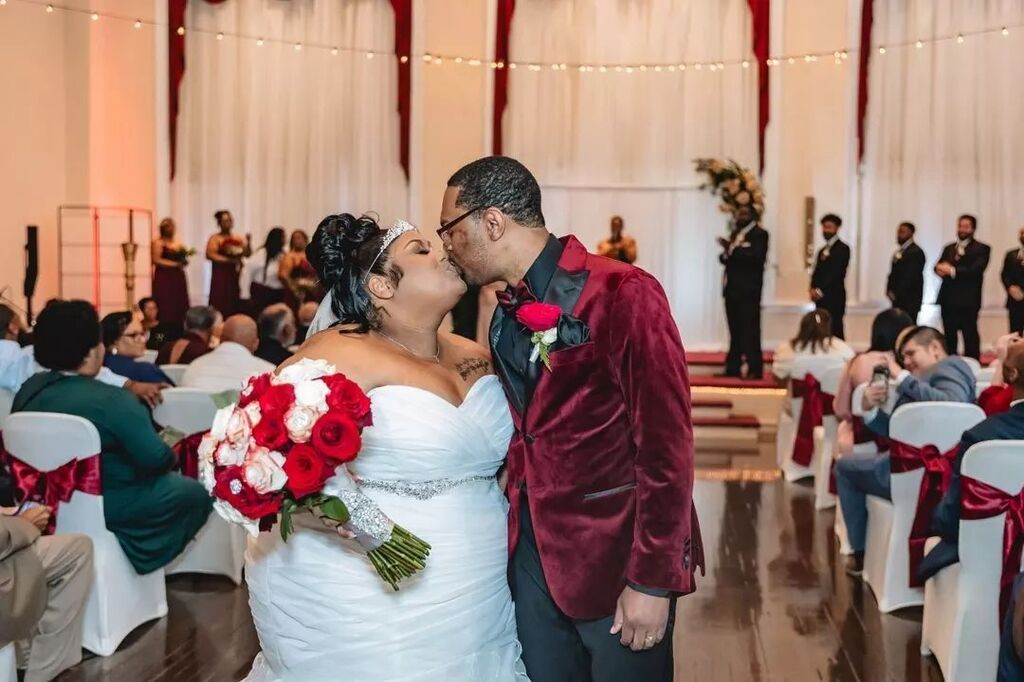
(557,648)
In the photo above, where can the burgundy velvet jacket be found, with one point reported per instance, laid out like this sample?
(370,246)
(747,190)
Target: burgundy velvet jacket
(604,445)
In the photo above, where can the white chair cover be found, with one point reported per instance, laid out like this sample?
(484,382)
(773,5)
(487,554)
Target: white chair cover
(961,602)
(825,454)
(973,364)
(6,400)
(785,435)
(985,374)
(174,372)
(887,554)
(120,599)
(219,547)
(149,356)
(8,663)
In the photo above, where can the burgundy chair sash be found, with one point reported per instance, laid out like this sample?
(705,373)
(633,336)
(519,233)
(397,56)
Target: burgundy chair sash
(186,451)
(54,487)
(937,476)
(979,500)
(817,404)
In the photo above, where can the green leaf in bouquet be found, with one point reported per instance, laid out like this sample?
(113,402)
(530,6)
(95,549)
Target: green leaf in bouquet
(225,398)
(334,509)
(287,508)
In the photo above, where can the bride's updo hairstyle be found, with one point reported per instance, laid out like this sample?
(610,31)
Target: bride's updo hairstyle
(343,251)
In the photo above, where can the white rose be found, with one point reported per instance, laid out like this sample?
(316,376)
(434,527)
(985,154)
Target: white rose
(550,336)
(312,394)
(252,411)
(227,456)
(220,422)
(232,515)
(299,422)
(263,471)
(239,430)
(304,370)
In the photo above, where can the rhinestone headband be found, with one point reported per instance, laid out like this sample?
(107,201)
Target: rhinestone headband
(400,228)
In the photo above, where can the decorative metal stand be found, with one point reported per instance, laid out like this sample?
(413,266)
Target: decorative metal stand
(129,249)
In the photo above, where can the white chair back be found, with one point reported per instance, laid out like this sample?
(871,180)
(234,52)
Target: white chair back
(174,372)
(830,379)
(120,599)
(823,499)
(973,364)
(6,400)
(188,410)
(985,374)
(817,366)
(149,356)
(937,423)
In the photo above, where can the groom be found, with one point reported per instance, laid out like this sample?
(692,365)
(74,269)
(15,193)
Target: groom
(603,535)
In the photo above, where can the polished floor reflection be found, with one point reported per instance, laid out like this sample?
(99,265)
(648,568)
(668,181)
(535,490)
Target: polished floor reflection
(775,605)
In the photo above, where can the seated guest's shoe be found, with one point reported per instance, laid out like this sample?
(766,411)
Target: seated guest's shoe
(855,565)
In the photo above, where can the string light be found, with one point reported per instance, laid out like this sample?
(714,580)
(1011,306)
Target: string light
(881,50)
(918,44)
(746,64)
(369,55)
(1005,31)
(181,30)
(138,23)
(298,47)
(95,17)
(259,42)
(960,39)
(49,9)
(220,36)
(334,52)
(404,59)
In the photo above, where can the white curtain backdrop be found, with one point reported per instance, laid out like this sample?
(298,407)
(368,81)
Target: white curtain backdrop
(281,136)
(618,143)
(943,134)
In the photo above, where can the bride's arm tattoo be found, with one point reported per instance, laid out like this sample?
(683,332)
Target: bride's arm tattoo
(470,366)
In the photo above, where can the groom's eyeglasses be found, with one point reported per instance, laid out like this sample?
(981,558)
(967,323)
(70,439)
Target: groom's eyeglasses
(446,229)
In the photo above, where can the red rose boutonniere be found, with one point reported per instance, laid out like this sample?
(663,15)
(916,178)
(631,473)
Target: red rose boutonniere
(542,320)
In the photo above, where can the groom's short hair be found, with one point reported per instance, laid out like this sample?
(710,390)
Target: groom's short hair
(501,182)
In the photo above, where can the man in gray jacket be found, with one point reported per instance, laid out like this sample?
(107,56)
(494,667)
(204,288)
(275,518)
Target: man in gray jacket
(928,374)
(44,583)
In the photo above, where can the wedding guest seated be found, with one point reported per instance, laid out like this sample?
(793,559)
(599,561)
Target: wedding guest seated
(997,397)
(44,583)
(307,311)
(885,329)
(200,322)
(18,363)
(153,513)
(159,332)
(1011,640)
(125,341)
(228,365)
(813,340)
(930,376)
(277,333)
(1005,426)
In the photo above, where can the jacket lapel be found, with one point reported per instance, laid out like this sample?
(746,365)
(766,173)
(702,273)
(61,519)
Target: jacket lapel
(564,291)
(517,398)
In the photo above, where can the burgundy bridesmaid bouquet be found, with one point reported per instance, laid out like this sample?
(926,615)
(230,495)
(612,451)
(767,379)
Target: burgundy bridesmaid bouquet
(284,448)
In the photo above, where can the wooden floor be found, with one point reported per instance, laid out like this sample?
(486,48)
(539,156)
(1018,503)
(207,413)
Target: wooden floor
(775,605)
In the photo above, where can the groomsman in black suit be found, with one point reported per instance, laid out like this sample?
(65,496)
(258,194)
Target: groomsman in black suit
(828,281)
(905,287)
(962,269)
(743,255)
(1013,281)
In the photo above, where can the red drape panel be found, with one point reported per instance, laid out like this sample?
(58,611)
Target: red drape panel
(403,47)
(506,8)
(760,11)
(867,19)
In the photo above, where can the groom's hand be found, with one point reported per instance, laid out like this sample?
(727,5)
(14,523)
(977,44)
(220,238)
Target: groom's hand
(640,618)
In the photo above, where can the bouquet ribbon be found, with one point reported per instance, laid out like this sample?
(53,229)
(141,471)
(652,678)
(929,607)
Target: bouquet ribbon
(979,500)
(57,485)
(938,473)
(817,404)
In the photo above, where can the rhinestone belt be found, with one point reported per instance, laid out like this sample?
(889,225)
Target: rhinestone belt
(420,490)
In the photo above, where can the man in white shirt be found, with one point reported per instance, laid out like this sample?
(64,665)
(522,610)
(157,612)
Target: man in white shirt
(227,366)
(18,363)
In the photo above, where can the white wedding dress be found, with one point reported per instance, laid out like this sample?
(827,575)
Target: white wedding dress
(323,614)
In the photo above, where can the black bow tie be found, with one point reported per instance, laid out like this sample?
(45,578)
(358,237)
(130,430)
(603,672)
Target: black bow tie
(513,297)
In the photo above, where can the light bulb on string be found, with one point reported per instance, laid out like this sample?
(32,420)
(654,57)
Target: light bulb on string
(259,42)
(960,39)
(746,64)
(672,68)
(49,9)
(334,52)
(501,65)
(404,59)
(298,47)
(220,36)
(1005,31)
(369,55)
(881,50)
(918,44)
(603,69)
(427,57)
(181,30)
(138,23)
(513,65)
(657,69)
(458,60)
(474,62)
(712,67)
(682,67)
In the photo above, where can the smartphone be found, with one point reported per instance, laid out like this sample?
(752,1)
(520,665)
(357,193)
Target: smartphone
(880,375)
(26,505)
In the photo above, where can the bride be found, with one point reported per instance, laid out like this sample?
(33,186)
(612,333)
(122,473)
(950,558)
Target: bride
(441,430)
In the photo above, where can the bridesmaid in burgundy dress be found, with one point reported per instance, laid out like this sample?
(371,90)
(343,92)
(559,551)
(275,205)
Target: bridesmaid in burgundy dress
(298,275)
(170,290)
(226,252)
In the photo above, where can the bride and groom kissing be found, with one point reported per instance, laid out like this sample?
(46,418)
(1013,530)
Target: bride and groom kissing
(594,535)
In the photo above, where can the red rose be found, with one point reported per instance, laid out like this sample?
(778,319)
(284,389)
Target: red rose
(254,389)
(538,317)
(347,397)
(276,400)
(336,437)
(271,432)
(246,500)
(306,471)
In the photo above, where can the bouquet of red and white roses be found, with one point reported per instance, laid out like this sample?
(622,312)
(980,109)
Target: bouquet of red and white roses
(272,454)
(232,247)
